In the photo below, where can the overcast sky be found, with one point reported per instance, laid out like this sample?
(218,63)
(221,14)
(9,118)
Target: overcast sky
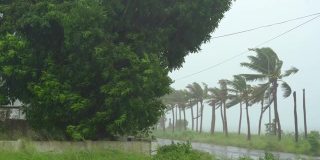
(299,48)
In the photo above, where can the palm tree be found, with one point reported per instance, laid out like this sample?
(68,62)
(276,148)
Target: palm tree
(268,67)
(214,99)
(170,101)
(224,98)
(182,99)
(199,94)
(242,94)
(193,95)
(263,96)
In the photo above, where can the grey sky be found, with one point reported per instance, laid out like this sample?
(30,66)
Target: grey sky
(299,48)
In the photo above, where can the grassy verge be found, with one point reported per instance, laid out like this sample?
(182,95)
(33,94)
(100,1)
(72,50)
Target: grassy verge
(69,155)
(267,143)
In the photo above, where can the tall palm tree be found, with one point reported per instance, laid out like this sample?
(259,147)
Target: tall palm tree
(224,98)
(199,94)
(170,101)
(269,70)
(214,99)
(182,103)
(264,97)
(242,93)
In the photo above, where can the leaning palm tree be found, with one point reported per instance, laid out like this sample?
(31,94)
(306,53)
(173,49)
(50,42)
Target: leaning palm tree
(171,102)
(193,92)
(242,93)
(199,94)
(214,99)
(268,67)
(224,96)
(181,99)
(264,97)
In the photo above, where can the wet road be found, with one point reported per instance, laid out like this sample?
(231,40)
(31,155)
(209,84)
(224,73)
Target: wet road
(232,152)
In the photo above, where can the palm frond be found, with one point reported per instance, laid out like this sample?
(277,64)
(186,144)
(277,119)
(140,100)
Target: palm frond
(286,89)
(292,70)
(255,77)
(234,101)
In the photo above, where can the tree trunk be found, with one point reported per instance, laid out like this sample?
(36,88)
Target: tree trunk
(192,117)
(295,117)
(201,103)
(184,119)
(225,118)
(260,118)
(176,126)
(270,113)
(278,128)
(222,118)
(213,117)
(164,123)
(197,118)
(179,113)
(239,128)
(304,115)
(248,121)
(172,118)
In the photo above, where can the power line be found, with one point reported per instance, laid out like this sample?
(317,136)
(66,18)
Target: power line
(238,55)
(265,26)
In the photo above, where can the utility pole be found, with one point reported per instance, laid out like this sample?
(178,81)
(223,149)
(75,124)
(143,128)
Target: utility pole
(304,115)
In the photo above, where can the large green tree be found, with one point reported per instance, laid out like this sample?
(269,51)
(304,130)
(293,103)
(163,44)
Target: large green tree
(93,68)
(268,68)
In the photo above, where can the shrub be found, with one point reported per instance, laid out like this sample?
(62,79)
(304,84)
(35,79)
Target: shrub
(313,139)
(181,151)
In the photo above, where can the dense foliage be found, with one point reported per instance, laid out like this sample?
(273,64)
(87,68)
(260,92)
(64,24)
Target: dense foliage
(93,68)
(180,151)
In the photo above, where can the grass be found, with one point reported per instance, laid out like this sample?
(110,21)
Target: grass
(267,143)
(72,155)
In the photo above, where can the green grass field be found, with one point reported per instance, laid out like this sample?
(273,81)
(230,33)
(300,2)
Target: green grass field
(69,155)
(267,143)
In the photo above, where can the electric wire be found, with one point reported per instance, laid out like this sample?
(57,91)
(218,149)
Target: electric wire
(264,26)
(240,54)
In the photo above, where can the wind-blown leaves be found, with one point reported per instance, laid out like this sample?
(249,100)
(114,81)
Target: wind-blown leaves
(255,77)
(286,89)
(292,70)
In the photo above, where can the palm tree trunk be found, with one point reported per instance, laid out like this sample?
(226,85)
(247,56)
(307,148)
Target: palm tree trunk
(179,113)
(304,115)
(164,123)
(213,117)
(197,117)
(248,121)
(192,117)
(172,109)
(184,118)
(295,117)
(201,103)
(176,126)
(222,118)
(275,85)
(225,118)
(239,128)
(260,118)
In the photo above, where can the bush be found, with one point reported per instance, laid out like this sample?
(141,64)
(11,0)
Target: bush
(268,156)
(313,139)
(181,151)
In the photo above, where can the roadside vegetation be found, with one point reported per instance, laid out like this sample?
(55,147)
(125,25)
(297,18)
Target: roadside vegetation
(308,146)
(72,155)
(179,151)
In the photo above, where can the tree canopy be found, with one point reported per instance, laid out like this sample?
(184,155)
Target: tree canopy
(93,68)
